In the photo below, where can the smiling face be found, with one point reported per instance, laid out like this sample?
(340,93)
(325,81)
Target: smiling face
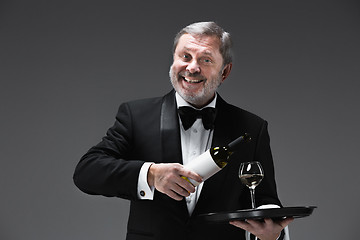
(197,70)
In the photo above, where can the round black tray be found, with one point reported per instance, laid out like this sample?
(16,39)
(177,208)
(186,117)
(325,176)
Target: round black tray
(273,213)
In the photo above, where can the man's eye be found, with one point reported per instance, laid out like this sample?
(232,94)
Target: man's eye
(206,60)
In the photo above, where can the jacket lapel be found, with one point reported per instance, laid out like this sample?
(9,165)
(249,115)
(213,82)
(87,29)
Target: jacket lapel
(222,130)
(170,130)
(222,135)
(171,144)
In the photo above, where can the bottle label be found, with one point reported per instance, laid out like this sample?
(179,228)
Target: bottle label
(203,165)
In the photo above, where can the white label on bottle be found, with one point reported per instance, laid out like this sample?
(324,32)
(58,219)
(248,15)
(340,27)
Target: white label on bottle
(204,165)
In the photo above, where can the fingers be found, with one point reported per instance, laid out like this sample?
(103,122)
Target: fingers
(173,195)
(182,187)
(240,224)
(167,178)
(190,174)
(279,224)
(248,225)
(283,223)
(267,229)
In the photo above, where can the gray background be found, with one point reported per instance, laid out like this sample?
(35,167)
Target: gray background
(67,65)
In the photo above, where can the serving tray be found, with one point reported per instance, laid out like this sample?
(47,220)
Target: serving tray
(273,213)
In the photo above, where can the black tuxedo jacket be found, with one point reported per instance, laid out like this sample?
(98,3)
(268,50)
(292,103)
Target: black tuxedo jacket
(148,131)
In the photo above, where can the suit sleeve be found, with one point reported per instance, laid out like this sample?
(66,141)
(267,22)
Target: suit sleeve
(106,169)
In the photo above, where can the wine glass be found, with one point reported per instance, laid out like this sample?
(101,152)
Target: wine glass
(251,174)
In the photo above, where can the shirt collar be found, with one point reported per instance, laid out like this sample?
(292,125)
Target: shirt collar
(181,102)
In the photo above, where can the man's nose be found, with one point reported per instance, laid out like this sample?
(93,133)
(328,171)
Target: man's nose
(193,67)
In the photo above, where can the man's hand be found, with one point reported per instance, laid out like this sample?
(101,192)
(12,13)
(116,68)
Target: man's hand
(266,230)
(167,178)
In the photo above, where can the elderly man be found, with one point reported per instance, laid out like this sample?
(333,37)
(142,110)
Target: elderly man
(142,155)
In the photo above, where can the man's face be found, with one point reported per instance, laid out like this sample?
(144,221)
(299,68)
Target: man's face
(197,70)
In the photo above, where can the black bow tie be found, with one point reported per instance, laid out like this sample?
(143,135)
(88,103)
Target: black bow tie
(188,116)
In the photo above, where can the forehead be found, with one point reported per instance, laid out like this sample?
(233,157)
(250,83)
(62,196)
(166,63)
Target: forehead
(199,43)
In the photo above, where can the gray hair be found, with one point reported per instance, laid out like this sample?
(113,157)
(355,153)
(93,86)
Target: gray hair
(209,29)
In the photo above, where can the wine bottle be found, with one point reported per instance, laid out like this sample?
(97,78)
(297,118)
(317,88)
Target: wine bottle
(214,159)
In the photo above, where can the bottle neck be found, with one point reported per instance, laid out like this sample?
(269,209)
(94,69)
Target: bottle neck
(234,145)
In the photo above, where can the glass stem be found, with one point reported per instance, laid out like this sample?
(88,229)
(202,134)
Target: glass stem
(252,193)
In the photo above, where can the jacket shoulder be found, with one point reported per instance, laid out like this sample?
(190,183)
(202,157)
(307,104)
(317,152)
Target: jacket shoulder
(153,101)
(142,106)
(238,113)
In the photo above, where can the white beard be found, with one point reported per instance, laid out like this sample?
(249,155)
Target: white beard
(199,98)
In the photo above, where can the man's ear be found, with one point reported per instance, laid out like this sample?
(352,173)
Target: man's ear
(226,71)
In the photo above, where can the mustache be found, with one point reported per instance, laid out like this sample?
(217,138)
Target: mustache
(193,75)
